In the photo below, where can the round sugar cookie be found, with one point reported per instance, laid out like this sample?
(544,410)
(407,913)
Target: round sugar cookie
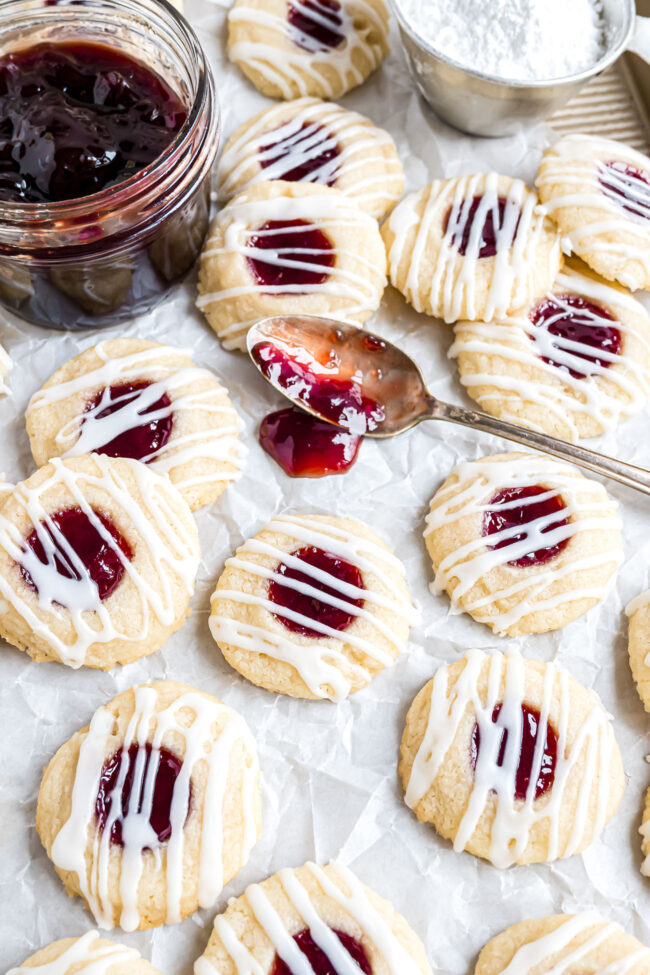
(312,918)
(471,247)
(152,808)
(139,399)
(312,141)
(290,48)
(597,191)
(313,606)
(289,249)
(510,759)
(521,542)
(638,644)
(71,956)
(98,557)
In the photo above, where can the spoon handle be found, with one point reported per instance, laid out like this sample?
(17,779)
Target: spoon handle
(618,470)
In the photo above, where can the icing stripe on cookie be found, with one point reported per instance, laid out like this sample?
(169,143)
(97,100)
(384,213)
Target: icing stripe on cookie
(85,956)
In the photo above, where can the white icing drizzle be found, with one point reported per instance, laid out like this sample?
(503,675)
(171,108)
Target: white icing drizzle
(319,662)
(87,431)
(515,819)
(314,128)
(355,279)
(607,393)
(293,68)
(157,531)
(453,286)
(5,368)
(94,959)
(531,955)
(586,506)
(395,957)
(210,737)
(577,161)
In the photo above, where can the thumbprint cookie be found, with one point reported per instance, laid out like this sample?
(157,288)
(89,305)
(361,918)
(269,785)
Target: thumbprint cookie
(644,830)
(316,920)
(290,48)
(5,369)
(89,954)
(311,141)
(597,191)
(138,399)
(98,557)
(471,247)
(152,808)
(638,644)
(573,363)
(289,249)
(564,943)
(510,759)
(522,543)
(312,607)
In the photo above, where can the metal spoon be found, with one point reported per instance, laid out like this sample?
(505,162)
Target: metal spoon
(385,375)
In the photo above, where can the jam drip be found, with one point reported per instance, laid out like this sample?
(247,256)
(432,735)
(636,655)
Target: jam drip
(627,186)
(143,817)
(575,321)
(492,232)
(74,530)
(318,960)
(337,399)
(138,442)
(307,152)
(304,446)
(299,255)
(310,606)
(512,508)
(76,118)
(316,25)
(527,744)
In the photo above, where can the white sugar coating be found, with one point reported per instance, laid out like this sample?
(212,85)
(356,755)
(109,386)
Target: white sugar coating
(517,40)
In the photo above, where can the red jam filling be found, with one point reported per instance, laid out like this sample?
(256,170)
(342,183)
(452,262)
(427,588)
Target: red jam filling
(292,242)
(510,508)
(305,446)
(77,117)
(305,145)
(530,730)
(339,400)
(139,441)
(578,320)
(139,793)
(310,606)
(100,558)
(463,226)
(318,960)
(317,25)
(627,186)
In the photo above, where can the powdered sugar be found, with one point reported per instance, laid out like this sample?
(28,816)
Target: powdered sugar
(517,40)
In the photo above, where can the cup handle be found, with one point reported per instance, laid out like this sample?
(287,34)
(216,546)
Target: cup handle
(640,43)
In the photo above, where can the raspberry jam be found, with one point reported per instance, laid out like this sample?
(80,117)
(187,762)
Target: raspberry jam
(142,440)
(512,508)
(310,606)
(316,25)
(312,145)
(530,730)
(100,558)
(318,960)
(576,320)
(627,186)
(299,255)
(463,226)
(76,118)
(338,399)
(147,787)
(305,446)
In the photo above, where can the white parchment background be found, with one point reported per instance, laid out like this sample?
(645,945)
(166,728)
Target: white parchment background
(331,786)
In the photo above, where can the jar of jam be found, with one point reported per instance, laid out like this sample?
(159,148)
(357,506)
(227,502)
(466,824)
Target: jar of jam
(109,126)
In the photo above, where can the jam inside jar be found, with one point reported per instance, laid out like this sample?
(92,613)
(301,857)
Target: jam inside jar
(107,137)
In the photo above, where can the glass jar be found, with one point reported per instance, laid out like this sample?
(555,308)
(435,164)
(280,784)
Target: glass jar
(105,258)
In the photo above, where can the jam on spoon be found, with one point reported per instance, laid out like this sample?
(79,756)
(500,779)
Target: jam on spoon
(527,745)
